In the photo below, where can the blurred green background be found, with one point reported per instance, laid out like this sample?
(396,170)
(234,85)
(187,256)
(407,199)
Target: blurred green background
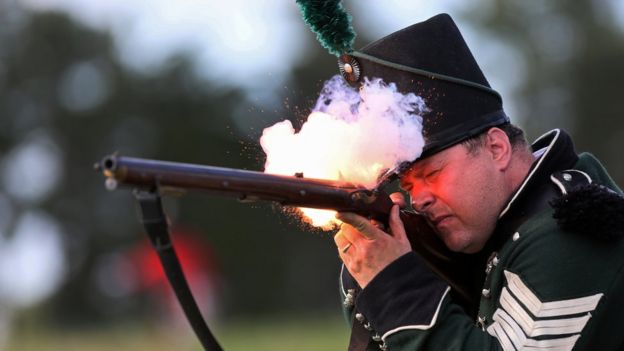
(197,81)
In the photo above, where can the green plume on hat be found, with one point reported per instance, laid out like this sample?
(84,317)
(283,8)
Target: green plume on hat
(330,22)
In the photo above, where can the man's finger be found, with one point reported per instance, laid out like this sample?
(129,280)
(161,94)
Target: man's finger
(361,224)
(340,239)
(342,243)
(399,199)
(396,224)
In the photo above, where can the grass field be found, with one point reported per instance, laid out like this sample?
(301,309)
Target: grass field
(283,334)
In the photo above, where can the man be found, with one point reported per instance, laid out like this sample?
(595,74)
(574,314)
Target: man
(535,228)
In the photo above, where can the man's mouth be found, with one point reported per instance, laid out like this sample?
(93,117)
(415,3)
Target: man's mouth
(437,220)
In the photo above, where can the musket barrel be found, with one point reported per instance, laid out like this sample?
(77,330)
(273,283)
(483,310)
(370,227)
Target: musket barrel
(245,184)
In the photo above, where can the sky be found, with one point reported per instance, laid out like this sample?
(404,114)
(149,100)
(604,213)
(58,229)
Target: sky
(250,44)
(231,40)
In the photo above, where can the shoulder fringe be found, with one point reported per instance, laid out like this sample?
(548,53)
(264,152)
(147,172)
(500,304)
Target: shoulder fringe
(591,209)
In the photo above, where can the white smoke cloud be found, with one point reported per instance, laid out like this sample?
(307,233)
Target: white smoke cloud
(351,135)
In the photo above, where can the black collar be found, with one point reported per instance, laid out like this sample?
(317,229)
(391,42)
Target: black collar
(536,190)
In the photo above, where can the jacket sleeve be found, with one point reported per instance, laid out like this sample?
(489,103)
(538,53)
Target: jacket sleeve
(349,288)
(410,308)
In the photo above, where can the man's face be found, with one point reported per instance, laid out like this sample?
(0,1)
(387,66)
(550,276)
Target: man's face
(460,193)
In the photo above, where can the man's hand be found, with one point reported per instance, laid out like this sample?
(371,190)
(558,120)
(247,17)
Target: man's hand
(365,249)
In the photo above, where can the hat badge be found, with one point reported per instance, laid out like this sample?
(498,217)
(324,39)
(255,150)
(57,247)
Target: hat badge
(349,68)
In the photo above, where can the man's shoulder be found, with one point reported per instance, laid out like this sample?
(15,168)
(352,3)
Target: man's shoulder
(591,165)
(587,205)
(543,233)
(542,251)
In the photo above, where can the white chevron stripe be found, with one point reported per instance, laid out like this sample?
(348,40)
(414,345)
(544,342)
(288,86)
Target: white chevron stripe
(563,343)
(521,342)
(549,309)
(563,348)
(516,329)
(512,329)
(497,331)
(513,308)
(533,327)
(560,326)
(511,337)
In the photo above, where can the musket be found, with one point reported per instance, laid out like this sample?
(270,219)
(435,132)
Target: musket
(460,271)
(246,186)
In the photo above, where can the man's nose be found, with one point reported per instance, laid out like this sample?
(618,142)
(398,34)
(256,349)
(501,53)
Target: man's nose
(422,200)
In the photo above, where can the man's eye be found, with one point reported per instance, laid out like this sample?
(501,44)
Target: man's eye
(432,175)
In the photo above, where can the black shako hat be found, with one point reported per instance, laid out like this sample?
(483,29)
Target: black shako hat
(432,60)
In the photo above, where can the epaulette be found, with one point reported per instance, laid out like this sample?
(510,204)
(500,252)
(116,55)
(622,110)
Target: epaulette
(586,207)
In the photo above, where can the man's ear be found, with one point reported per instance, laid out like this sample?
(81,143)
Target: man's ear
(499,146)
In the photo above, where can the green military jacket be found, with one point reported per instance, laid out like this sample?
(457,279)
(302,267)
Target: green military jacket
(553,279)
